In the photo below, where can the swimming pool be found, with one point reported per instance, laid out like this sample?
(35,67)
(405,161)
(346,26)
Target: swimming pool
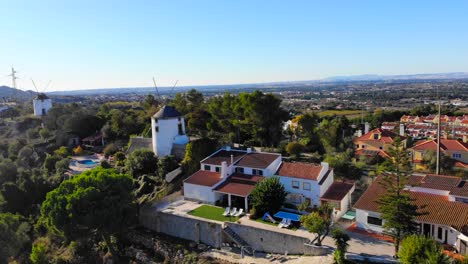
(87,162)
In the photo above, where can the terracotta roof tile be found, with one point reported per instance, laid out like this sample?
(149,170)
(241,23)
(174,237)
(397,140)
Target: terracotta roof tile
(257,160)
(301,170)
(224,155)
(239,184)
(437,209)
(337,191)
(445,144)
(386,136)
(205,178)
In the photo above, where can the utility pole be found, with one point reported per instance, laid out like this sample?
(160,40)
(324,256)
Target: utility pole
(438,136)
(13,77)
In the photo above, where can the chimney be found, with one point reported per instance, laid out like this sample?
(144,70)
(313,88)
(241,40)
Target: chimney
(465,139)
(366,127)
(223,170)
(249,150)
(232,159)
(402,130)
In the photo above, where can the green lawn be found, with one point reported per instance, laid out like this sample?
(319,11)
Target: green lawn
(213,213)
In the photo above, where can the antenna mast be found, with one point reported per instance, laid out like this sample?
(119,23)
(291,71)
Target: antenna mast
(13,77)
(438,136)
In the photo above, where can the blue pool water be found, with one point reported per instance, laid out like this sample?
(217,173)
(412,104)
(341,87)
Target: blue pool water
(293,217)
(87,162)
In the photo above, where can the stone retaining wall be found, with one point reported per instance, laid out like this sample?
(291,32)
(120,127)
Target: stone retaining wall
(200,231)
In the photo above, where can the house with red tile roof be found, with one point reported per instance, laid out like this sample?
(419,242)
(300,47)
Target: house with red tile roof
(452,148)
(442,200)
(376,142)
(232,174)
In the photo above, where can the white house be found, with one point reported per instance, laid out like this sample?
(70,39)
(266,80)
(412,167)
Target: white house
(168,131)
(233,174)
(42,104)
(443,200)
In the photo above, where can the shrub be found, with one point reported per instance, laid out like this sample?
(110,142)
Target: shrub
(110,150)
(39,254)
(421,249)
(295,149)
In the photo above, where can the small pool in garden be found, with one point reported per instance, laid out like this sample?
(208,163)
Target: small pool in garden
(88,162)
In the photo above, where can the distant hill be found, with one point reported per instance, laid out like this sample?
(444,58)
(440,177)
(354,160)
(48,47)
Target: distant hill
(376,77)
(12,93)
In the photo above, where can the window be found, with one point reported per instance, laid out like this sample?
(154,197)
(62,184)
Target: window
(257,172)
(207,167)
(240,170)
(306,186)
(357,146)
(363,146)
(380,147)
(157,129)
(43,111)
(439,233)
(376,136)
(295,184)
(218,169)
(456,155)
(374,221)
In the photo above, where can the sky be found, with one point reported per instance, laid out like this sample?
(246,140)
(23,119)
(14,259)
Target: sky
(90,44)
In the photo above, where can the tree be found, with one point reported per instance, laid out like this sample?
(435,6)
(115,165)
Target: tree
(196,151)
(8,171)
(421,249)
(13,235)
(110,150)
(27,158)
(99,200)
(119,158)
(295,149)
(44,133)
(49,163)
(62,152)
(341,243)
(268,196)
(167,164)
(430,161)
(141,161)
(318,222)
(396,206)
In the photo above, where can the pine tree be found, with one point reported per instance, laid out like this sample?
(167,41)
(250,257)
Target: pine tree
(396,206)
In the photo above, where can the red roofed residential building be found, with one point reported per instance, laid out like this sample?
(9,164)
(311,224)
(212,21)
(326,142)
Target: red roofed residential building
(452,148)
(443,200)
(233,174)
(376,142)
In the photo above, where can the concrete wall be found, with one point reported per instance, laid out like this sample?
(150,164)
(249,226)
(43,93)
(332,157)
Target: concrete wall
(275,242)
(38,105)
(200,231)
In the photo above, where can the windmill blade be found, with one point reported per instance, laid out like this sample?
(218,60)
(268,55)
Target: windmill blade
(173,87)
(156,87)
(47,86)
(35,85)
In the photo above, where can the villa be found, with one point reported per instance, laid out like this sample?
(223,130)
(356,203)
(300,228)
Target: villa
(232,174)
(376,142)
(454,149)
(443,200)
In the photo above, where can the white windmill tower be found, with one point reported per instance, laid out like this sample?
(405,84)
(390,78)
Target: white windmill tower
(168,130)
(41,103)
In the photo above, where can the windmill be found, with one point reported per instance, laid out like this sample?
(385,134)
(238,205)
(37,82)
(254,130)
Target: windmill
(157,91)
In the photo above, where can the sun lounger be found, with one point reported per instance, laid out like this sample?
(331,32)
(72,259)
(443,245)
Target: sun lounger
(240,212)
(233,211)
(288,223)
(226,212)
(283,223)
(267,216)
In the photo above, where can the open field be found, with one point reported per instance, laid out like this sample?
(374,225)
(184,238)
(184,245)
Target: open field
(350,114)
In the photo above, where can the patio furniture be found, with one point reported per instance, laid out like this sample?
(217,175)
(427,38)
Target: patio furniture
(233,211)
(226,212)
(268,216)
(283,223)
(288,223)
(240,212)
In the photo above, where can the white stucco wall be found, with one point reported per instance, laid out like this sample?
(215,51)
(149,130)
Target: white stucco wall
(326,184)
(38,105)
(361,220)
(313,194)
(200,193)
(431,191)
(168,130)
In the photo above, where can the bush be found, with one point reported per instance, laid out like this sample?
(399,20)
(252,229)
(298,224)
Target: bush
(421,249)
(39,254)
(141,162)
(110,150)
(119,158)
(295,149)
(341,243)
